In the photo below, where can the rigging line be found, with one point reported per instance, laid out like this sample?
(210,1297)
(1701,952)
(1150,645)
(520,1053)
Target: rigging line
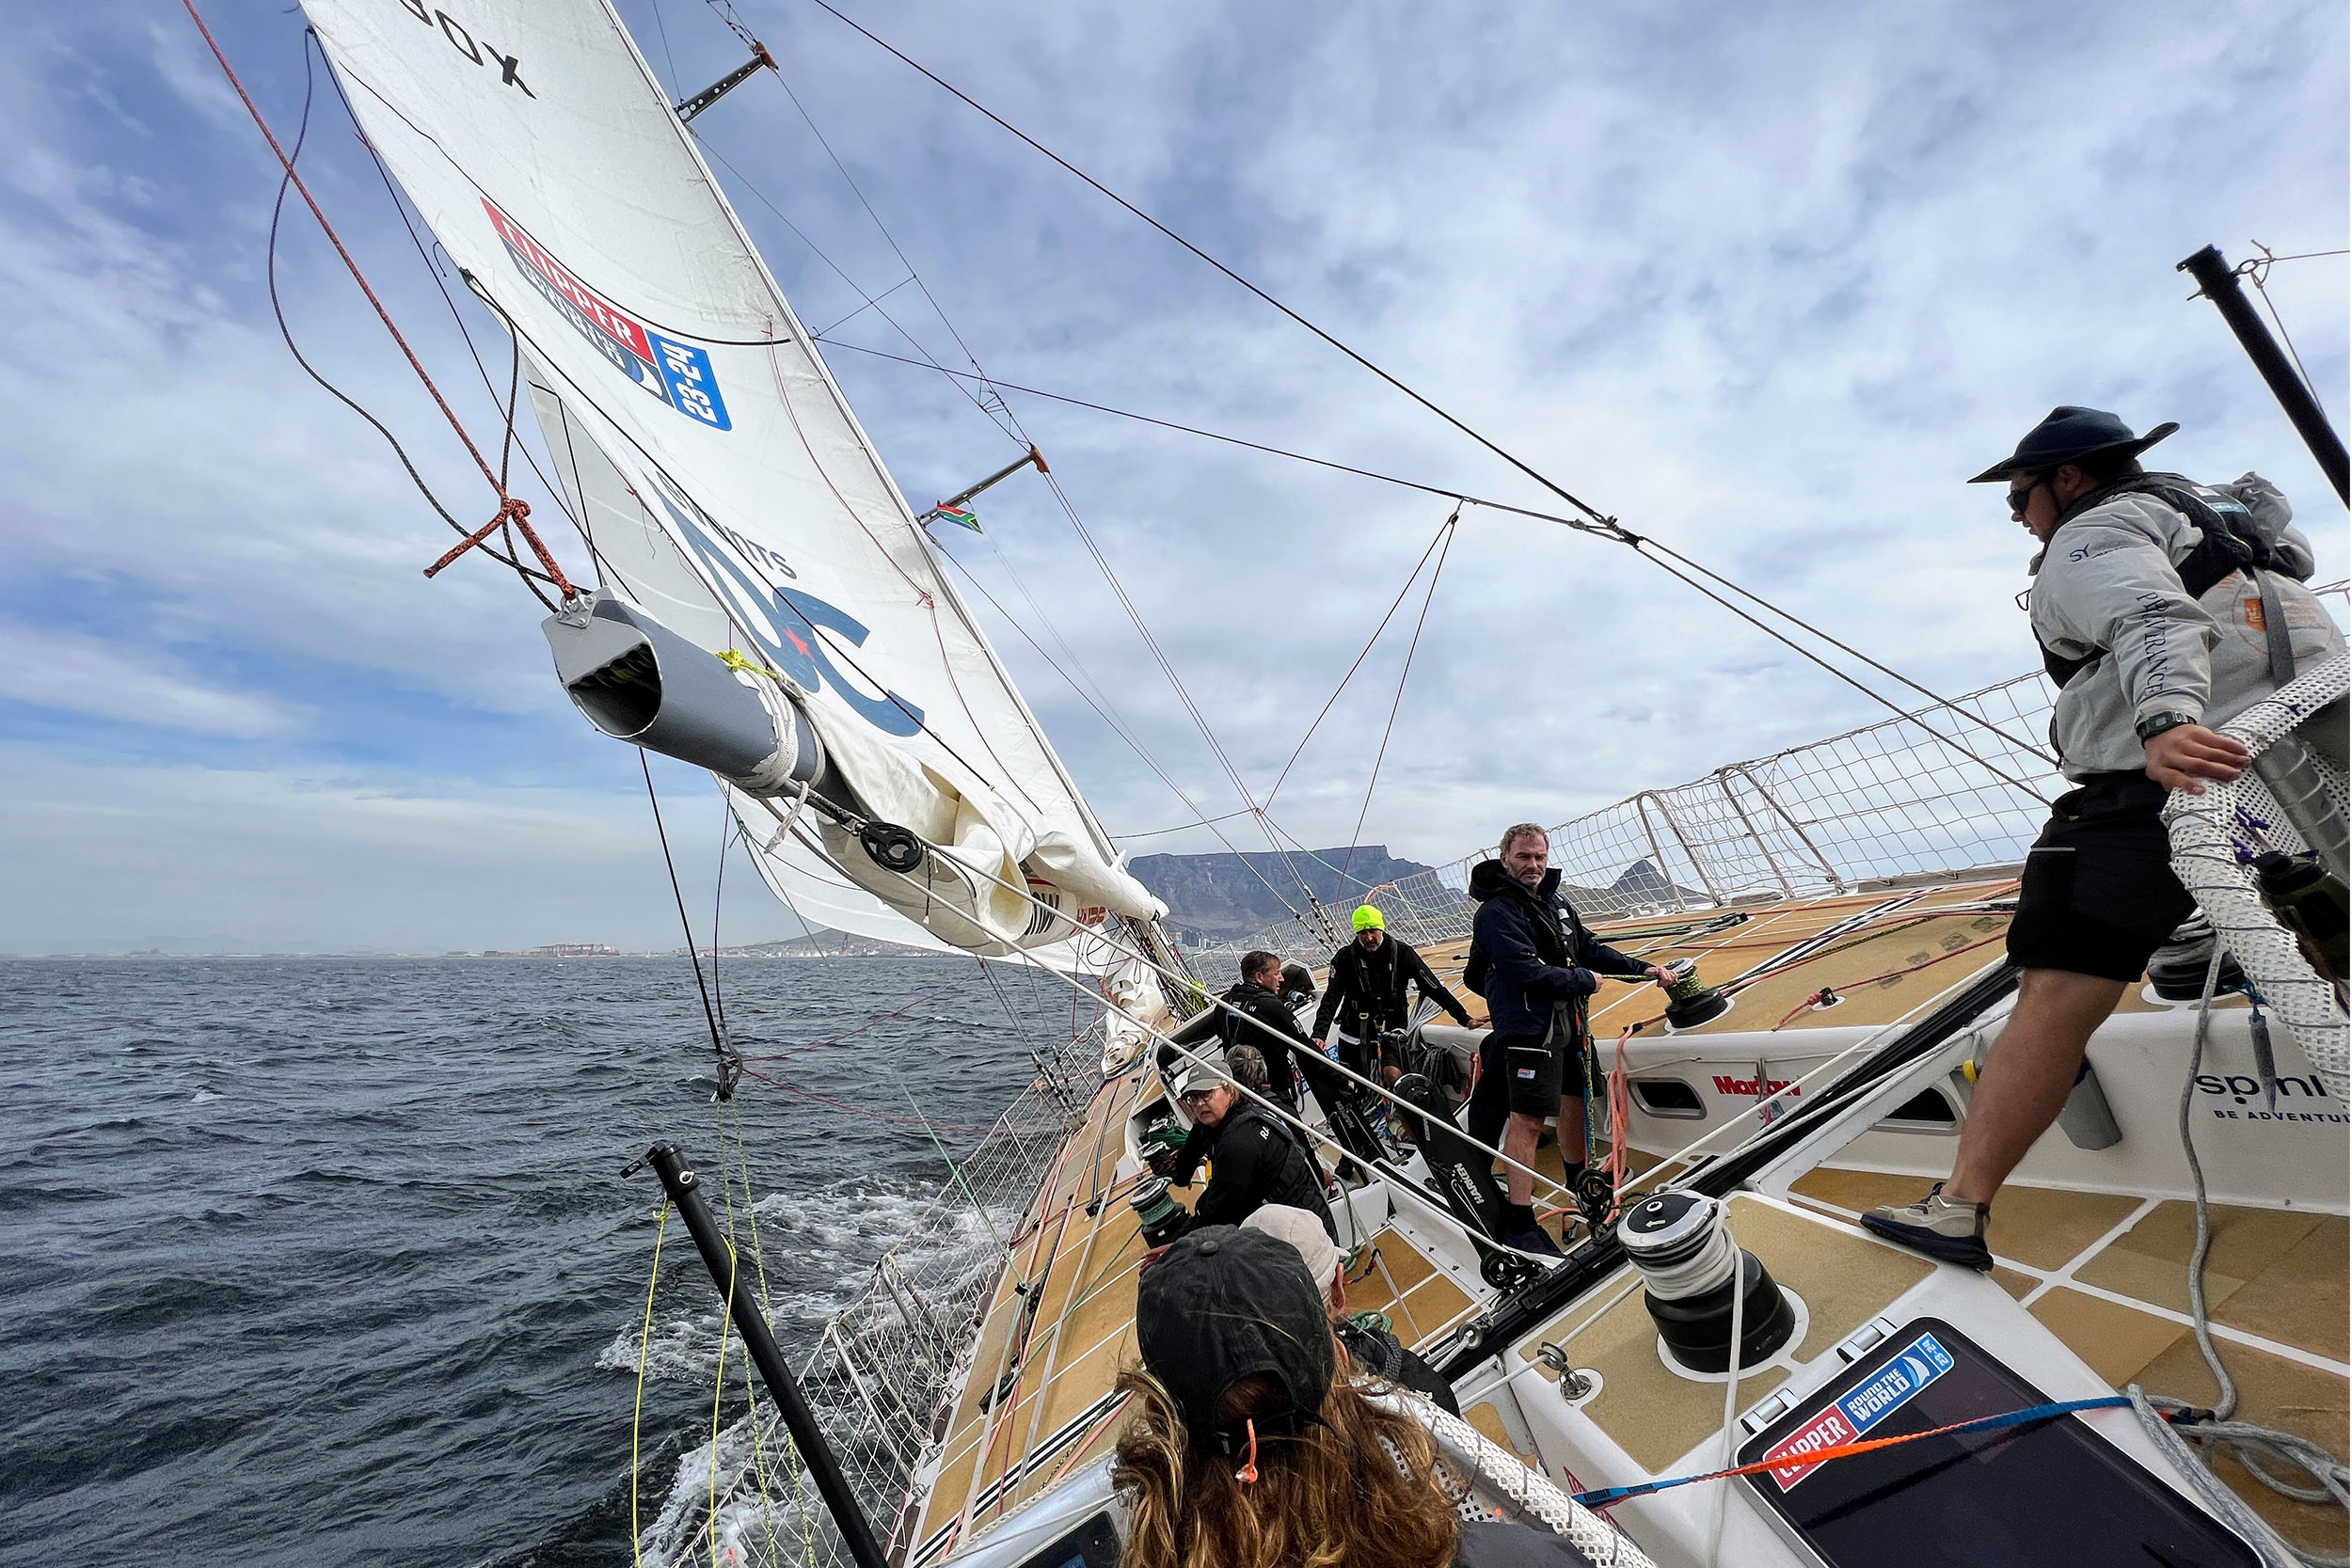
(1181,827)
(1897,708)
(302,134)
(717,902)
(924,595)
(1365,652)
(1229,272)
(897,250)
(1184,696)
(972,876)
(868,306)
(728,1065)
(872,301)
(1490,505)
(1934,697)
(506,503)
(2255,273)
(1202,818)
(1403,675)
(400,209)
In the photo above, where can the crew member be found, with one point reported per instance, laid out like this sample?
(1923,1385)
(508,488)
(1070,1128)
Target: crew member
(1364,994)
(1243,1446)
(1371,1350)
(1253,1158)
(2167,606)
(1535,962)
(1256,1013)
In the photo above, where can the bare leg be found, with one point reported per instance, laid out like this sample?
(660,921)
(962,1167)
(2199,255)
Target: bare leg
(1518,1141)
(1571,1130)
(2028,1076)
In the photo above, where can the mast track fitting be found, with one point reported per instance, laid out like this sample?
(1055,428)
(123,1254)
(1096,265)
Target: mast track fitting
(638,681)
(688,108)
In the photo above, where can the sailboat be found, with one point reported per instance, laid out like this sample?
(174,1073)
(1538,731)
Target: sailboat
(762,601)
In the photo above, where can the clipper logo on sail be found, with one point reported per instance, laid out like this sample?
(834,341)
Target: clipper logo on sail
(678,373)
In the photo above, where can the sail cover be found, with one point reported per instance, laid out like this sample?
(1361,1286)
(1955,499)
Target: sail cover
(716,471)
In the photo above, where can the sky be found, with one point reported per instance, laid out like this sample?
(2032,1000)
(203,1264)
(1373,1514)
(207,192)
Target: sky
(1766,281)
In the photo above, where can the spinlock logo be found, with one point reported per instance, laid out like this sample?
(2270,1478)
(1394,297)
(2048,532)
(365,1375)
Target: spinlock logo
(782,622)
(678,373)
(481,51)
(1755,1088)
(2300,1099)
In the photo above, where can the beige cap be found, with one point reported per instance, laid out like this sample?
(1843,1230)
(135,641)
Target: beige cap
(1304,1232)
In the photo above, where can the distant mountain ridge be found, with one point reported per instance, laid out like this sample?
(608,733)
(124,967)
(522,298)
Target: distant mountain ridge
(1218,897)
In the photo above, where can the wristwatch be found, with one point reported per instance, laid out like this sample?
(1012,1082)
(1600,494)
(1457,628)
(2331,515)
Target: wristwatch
(2155,725)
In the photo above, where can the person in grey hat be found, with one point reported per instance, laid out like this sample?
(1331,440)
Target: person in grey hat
(2163,607)
(1254,1159)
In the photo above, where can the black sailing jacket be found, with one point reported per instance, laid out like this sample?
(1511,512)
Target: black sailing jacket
(1529,949)
(1374,983)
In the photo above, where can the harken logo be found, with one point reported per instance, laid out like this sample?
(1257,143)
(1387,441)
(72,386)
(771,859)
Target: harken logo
(678,373)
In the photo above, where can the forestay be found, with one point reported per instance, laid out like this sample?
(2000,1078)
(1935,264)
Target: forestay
(721,480)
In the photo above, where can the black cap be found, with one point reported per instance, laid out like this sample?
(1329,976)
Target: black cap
(1226,1303)
(2070,435)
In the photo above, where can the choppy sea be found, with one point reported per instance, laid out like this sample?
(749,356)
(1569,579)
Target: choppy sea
(329,1262)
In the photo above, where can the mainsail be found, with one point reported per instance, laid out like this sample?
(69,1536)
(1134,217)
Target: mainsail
(716,471)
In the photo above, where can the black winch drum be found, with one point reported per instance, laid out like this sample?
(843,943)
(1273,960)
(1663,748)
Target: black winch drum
(1683,1249)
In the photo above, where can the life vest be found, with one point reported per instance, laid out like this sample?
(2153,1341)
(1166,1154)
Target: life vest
(2227,541)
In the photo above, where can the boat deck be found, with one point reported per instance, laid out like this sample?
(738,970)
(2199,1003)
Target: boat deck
(2109,1274)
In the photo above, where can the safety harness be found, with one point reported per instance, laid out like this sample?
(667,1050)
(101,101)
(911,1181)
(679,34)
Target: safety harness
(2227,542)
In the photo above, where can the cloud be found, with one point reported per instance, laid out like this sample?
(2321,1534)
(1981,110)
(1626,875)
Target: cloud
(1764,281)
(77,674)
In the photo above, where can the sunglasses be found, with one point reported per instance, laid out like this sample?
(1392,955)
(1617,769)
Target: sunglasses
(2017,498)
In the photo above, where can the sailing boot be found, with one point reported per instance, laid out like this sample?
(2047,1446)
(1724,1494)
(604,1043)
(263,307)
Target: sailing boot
(1953,1232)
(1522,1230)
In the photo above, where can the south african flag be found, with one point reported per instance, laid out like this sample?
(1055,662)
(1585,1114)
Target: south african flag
(958,515)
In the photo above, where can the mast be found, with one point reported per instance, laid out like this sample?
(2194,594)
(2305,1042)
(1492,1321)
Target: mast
(2217,282)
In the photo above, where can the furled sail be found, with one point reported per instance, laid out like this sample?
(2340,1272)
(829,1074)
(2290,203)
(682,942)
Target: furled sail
(723,484)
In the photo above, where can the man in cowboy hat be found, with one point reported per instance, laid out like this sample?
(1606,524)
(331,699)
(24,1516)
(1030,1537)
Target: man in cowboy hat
(2163,607)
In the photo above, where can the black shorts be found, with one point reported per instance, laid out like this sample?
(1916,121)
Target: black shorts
(2098,895)
(1528,1075)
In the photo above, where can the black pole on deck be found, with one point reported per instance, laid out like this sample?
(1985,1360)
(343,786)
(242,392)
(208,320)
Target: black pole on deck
(684,1191)
(2219,283)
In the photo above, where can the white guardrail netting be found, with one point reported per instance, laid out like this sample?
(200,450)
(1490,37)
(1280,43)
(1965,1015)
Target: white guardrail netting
(1920,796)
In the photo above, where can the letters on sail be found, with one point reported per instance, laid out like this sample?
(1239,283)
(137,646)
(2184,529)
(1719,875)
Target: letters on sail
(716,471)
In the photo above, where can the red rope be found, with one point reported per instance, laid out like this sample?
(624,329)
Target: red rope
(510,510)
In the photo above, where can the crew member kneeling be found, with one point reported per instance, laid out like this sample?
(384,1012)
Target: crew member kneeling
(1254,1159)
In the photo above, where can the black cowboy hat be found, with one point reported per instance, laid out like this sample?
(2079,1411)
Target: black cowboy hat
(2070,435)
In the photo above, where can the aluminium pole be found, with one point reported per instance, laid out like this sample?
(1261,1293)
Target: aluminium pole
(684,1191)
(2219,283)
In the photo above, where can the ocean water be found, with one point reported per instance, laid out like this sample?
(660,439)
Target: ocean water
(329,1261)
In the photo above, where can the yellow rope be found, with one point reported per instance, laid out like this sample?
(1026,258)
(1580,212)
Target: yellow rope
(719,1389)
(644,1344)
(759,1457)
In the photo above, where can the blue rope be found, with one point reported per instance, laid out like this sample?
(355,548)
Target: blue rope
(1607,1495)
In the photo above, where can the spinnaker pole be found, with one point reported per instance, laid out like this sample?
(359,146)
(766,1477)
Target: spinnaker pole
(685,1189)
(2219,282)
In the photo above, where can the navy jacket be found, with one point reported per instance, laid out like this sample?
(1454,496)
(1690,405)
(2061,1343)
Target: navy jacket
(1529,950)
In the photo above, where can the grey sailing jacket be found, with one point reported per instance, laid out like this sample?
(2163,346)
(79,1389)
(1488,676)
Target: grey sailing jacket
(2107,584)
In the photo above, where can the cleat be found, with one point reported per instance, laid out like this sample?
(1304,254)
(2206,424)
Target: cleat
(1947,1232)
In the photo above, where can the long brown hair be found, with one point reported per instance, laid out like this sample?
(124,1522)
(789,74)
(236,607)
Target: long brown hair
(1363,1489)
